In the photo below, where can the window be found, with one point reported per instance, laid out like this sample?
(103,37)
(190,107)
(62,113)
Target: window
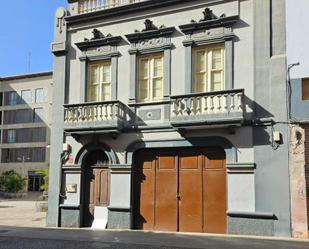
(38,115)
(11,98)
(208,69)
(18,116)
(40,95)
(26,97)
(25,135)
(99,82)
(1,99)
(305,89)
(23,155)
(35,181)
(11,136)
(150,82)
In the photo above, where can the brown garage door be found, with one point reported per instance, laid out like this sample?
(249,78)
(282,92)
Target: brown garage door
(180,190)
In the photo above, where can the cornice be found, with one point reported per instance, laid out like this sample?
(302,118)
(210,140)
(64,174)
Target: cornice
(113,40)
(209,24)
(142,35)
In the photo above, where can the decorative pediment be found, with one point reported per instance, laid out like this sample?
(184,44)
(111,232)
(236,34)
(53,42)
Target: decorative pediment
(151,31)
(209,21)
(98,40)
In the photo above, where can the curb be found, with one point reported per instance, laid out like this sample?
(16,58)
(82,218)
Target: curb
(235,236)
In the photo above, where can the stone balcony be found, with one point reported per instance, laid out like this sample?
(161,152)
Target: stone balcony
(86,6)
(100,116)
(222,108)
(190,111)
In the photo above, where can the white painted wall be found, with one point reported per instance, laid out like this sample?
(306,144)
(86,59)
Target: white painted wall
(298,36)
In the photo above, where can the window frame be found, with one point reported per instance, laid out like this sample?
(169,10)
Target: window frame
(208,67)
(11,133)
(150,78)
(22,100)
(43,96)
(101,84)
(36,117)
(9,101)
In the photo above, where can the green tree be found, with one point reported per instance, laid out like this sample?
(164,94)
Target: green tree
(12,182)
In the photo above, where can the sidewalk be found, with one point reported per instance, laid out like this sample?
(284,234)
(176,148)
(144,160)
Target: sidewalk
(21,213)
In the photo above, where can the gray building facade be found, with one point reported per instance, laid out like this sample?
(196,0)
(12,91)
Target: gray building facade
(172,115)
(25,125)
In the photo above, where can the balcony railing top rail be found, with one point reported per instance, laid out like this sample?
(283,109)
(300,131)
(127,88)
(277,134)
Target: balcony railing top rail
(232,91)
(86,6)
(94,103)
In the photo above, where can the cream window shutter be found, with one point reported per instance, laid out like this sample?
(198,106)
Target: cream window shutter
(99,82)
(208,66)
(150,83)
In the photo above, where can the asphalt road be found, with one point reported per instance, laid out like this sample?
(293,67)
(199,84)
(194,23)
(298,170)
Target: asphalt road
(37,238)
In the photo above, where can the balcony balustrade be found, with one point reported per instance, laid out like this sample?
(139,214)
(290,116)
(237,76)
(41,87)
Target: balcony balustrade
(86,6)
(109,115)
(222,107)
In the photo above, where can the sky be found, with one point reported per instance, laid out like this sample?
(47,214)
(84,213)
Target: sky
(26,28)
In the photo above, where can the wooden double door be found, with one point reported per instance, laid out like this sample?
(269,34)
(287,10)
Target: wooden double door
(180,190)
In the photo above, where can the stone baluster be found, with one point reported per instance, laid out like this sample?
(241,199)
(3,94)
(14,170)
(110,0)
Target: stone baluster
(117,110)
(81,6)
(219,103)
(73,114)
(86,113)
(92,3)
(79,114)
(66,116)
(95,112)
(105,112)
(211,104)
(232,102)
(198,107)
(86,6)
(205,101)
(225,108)
(239,101)
(187,107)
(192,102)
(175,107)
(112,111)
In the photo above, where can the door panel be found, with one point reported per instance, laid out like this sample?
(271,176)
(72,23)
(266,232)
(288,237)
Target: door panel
(144,191)
(190,192)
(103,193)
(215,201)
(166,189)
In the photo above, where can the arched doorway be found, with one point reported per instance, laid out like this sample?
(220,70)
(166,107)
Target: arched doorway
(95,184)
